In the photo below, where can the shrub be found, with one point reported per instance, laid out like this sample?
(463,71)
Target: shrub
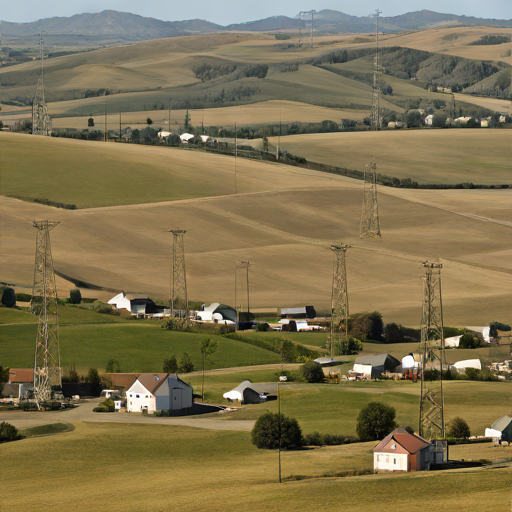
(9,297)
(8,433)
(93,376)
(262,327)
(312,372)
(375,421)
(346,346)
(469,341)
(317,439)
(107,405)
(170,365)
(459,429)
(265,433)
(113,366)
(75,297)
(23,297)
(175,324)
(290,376)
(186,364)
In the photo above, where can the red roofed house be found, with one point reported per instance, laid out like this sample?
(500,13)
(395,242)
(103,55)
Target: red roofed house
(402,450)
(158,392)
(21,380)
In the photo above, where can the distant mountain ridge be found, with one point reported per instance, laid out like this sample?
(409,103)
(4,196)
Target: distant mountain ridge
(132,27)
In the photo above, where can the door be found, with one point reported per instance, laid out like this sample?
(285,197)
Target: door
(176,398)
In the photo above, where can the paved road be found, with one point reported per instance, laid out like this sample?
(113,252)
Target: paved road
(84,413)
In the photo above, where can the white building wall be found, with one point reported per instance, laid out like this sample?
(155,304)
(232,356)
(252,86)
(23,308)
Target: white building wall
(139,398)
(389,462)
(120,301)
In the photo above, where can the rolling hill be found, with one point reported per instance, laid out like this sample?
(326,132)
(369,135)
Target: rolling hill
(283,219)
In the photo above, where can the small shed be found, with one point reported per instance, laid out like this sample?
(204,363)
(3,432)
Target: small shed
(380,363)
(238,392)
(468,363)
(158,392)
(402,450)
(501,429)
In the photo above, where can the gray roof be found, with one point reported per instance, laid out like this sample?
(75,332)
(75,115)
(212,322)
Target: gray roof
(378,360)
(501,424)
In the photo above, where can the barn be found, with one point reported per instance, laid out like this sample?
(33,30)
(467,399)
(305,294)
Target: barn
(158,392)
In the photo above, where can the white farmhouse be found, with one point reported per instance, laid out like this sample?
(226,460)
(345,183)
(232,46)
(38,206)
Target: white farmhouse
(158,392)
(429,120)
(402,450)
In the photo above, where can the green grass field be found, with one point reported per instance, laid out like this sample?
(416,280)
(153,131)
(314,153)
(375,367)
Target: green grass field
(158,467)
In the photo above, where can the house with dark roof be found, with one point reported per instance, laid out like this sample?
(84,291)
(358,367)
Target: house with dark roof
(136,304)
(158,392)
(403,450)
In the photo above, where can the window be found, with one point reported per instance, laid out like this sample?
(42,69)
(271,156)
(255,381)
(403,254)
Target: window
(378,458)
(387,458)
(147,396)
(394,461)
(137,396)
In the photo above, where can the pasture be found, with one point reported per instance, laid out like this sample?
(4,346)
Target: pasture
(154,467)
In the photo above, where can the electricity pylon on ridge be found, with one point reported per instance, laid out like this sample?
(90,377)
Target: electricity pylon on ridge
(339,298)
(370,224)
(47,369)
(312,12)
(431,424)
(41,121)
(178,289)
(375,119)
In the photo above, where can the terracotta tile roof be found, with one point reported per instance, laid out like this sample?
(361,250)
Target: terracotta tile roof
(412,443)
(152,381)
(121,380)
(21,375)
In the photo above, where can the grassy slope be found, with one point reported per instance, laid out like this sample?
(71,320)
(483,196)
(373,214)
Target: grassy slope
(433,156)
(138,347)
(218,471)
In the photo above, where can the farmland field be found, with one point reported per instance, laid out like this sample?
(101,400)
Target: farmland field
(219,471)
(283,219)
(433,156)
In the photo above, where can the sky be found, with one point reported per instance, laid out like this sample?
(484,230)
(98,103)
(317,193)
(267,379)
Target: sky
(238,11)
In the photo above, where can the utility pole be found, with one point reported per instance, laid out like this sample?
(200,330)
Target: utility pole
(431,424)
(169,121)
(242,265)
(106,128)
(178,289)
(339,298)
(47,369)
(41,121)
(370,224)
(235,157)
(279,136)
(120,126)
(375,114)
(312,12)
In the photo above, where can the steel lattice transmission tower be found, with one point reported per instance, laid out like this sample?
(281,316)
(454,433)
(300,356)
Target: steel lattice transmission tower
(47,370)
(370,224)
(339,298)
(41,121)
(432,349)
(375,114)
(178,289)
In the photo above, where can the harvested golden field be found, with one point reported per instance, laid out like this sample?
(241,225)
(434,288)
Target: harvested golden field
(265,112)
(283,219)
(480,156)
(455,41)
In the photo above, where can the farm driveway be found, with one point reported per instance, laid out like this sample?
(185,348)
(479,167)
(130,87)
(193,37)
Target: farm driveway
(84,413)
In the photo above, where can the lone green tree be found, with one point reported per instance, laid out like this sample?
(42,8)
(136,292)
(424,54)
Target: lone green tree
(186,364)
(171,365)
(149,121)
(208,347)
(269,427)
(458,428)
(9,297)
(75,297)
(312,372)
(187,124)
(375,421)
(113,366)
